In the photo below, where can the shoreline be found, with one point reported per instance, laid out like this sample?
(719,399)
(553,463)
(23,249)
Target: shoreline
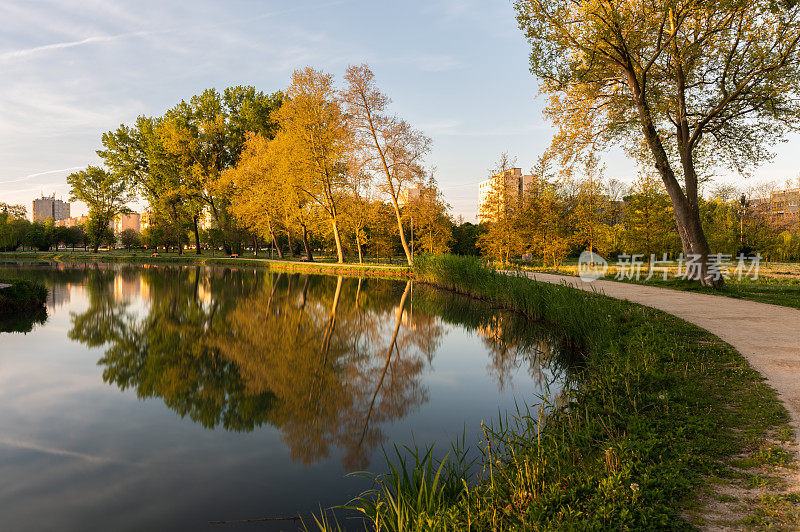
(324,268)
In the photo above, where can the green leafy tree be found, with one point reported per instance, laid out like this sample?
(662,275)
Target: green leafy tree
(648,220)
(105,194)
(129,238)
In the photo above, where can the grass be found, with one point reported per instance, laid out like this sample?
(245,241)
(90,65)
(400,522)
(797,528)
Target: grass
(21,296)
(658,409)
(21,305)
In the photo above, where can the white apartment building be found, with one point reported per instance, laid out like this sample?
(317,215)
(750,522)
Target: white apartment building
(123,222)
(49,207)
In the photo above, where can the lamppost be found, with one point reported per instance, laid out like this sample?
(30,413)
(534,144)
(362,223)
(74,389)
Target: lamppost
(742,209)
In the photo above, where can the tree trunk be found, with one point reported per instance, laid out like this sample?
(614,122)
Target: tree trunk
(358,245)
(685,209)
(305,244)
(196,235)
(338,239)
(402,234)
(275,243)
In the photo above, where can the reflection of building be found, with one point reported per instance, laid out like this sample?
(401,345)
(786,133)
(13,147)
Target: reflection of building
(123,222)
(57,295)
(508,185)
(49,207)
(126,288)
(780,205)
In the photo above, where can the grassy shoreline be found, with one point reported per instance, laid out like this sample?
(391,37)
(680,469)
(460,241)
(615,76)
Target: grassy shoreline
(659,411)
(22,304)
(331,268)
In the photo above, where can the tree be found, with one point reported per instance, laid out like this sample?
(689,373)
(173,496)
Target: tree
(129,238)
(394,149)
(649,223)
(13,211)
(105,194)
(256,189)
(500,212)
(465,237)
(692,84)
(590,209)
(430,222)
(313,141)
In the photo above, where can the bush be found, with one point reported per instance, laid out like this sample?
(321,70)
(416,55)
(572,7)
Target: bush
(21,296)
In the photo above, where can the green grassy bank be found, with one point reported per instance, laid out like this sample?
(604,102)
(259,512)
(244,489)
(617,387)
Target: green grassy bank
(21,305)
(658,411)
(330,268)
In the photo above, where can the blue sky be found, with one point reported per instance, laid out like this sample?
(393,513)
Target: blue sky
(455,68)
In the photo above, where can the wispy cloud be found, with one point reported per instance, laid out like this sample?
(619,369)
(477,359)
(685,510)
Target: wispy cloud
(26,52)
(37,174)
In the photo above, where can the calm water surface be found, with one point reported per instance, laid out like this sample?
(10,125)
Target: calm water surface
(162,398)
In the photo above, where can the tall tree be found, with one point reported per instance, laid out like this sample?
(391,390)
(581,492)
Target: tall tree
(649,223)
(395,149)
(314,139)
(256,189)
(105,194)
(430,221)
(691,84)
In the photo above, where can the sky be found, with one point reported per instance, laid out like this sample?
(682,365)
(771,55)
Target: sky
(457,69)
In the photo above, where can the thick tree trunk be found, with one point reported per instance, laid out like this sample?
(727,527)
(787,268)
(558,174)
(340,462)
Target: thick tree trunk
(402,233)
(684,206)
(358,246)
(305,244)
(337,237)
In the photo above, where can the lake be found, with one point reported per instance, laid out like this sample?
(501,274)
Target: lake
(167,397)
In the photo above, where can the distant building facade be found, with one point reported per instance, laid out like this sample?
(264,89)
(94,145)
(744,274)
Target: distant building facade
(509,185)
(123,222)
(145,220)
(50,207)
(779,206)
(72,222)
(409,194)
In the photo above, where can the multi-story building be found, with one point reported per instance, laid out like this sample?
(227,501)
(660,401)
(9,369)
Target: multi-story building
(145,219)
(410,193)
(50,207)
(506,186)
(123,222)
(72,222)
(780,205)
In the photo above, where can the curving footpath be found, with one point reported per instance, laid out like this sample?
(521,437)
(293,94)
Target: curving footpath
(767,335)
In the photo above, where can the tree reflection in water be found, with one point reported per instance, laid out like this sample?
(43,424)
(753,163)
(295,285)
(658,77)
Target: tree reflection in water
(327,360)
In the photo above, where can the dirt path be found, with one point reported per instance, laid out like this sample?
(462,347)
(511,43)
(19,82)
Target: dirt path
(767,335)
